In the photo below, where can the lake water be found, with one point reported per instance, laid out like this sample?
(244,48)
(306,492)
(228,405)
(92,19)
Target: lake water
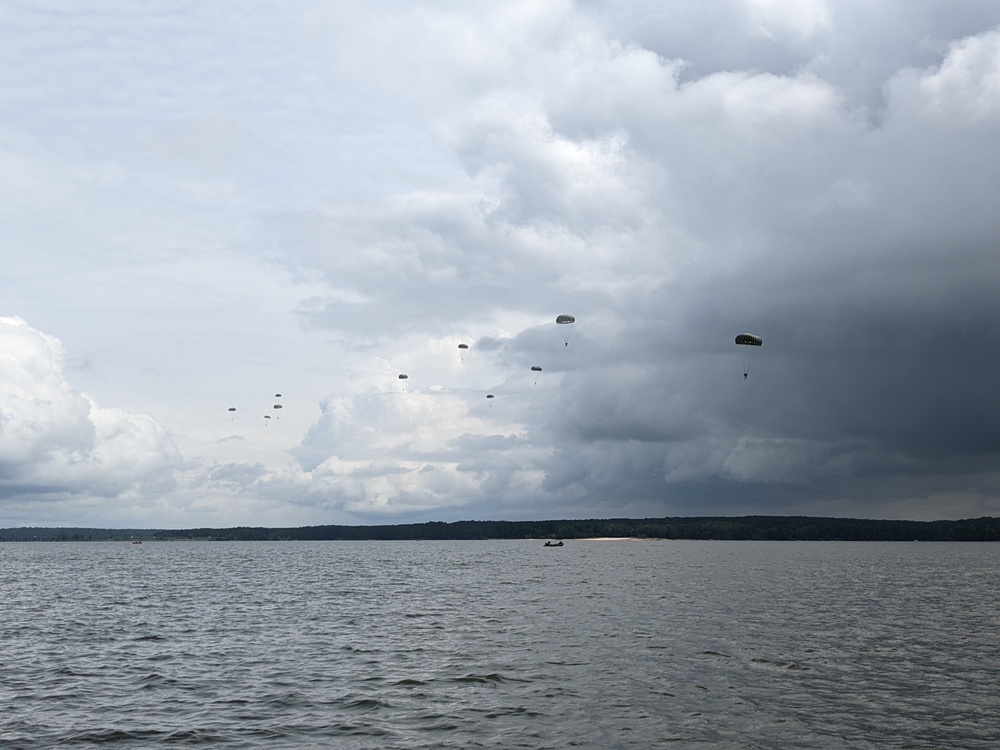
(500,644)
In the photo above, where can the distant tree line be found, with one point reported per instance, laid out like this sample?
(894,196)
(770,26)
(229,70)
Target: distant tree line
(751,528)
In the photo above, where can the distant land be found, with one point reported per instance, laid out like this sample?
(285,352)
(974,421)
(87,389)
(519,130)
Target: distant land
(751,528)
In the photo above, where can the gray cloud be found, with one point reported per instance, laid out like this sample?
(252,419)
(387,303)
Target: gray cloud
(359,200)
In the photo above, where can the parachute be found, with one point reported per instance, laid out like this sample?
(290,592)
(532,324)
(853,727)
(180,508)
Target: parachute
(461,351)
(536,368)
(278,406)
(748,344)
(463,346)
(564,320)
(232,408)
(403,376)
(489,395)
(277,395)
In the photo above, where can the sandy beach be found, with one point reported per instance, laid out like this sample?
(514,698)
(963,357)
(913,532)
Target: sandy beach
(611,539)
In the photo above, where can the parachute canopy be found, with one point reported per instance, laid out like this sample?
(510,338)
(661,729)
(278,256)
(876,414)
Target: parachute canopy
(463,346)
(232,408)
(747,345)
(403,376)
(277,395)
(565,320)
(489,395)
(536,368)
(277,406)
(267,416)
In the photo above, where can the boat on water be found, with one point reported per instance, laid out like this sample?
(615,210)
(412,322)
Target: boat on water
(550,543)
(136,541)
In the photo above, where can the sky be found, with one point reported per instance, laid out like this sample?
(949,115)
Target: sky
(203,205)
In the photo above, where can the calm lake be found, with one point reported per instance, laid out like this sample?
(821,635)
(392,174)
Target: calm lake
(500,644)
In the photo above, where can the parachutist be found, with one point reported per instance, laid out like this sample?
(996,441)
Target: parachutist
(564,320)
(747,344)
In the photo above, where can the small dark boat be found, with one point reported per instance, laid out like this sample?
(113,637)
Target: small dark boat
(550,543)
(136,541)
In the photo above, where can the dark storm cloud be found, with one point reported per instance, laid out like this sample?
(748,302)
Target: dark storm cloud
(860,251)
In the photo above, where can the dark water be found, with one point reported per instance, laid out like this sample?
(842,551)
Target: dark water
(500,645)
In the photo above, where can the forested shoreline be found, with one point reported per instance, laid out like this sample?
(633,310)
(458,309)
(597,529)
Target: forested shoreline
(750,528)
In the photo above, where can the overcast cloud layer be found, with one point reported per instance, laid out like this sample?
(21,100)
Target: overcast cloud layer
(204,205)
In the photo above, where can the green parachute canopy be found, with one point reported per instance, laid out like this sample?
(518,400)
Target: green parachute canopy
(749,339)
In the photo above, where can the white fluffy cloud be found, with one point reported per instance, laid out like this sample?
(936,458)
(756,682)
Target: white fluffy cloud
(56,443)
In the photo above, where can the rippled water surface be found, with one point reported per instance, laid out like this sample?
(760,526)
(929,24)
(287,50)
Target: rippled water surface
(500,644)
